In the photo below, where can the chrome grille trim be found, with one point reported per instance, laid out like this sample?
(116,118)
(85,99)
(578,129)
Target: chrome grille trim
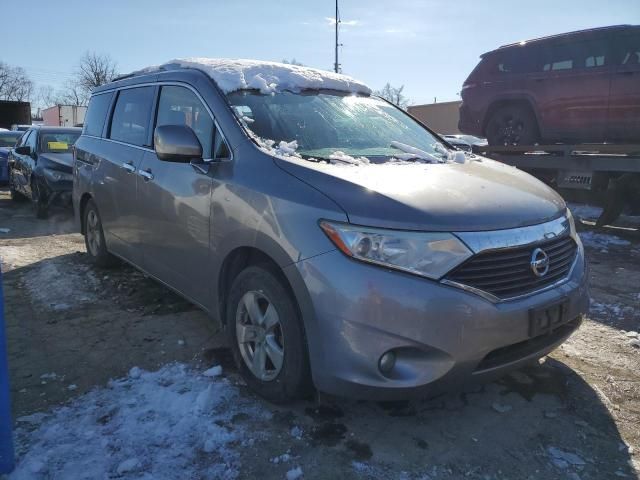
(500,271)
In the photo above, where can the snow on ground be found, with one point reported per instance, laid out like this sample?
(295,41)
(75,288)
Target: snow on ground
(172,423)
(601,241)
(61,285)
(267,77)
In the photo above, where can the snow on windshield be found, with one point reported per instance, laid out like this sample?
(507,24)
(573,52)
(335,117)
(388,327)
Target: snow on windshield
(267,77)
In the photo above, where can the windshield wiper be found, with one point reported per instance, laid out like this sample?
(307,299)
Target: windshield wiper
(415,153)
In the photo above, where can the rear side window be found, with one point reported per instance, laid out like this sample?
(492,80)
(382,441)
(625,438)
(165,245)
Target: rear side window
(630,54)
(180,106)
(131,116)
(517,60)
(97,114)
(571,56)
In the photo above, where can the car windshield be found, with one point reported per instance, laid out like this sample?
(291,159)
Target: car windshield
(323,123)
(57,142)
(9,139)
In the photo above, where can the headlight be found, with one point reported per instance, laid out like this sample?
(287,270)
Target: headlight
(572,224)
(430,255)
(57,175)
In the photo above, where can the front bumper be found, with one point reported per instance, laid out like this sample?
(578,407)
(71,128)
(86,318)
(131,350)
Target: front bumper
(444,337)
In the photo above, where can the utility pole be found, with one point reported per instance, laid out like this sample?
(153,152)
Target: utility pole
(336,65)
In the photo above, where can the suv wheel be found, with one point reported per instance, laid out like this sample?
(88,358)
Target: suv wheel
(94,237)
(39,200)
(512,125)
(267,337)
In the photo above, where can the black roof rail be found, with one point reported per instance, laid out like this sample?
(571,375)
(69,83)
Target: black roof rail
(568,34)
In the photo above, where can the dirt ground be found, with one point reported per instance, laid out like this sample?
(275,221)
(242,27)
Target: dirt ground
(71,328)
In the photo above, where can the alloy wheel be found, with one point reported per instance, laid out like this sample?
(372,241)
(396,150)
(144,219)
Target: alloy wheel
(259,335)
(93,233)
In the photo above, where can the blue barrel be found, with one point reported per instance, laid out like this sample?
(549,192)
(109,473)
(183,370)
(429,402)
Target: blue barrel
(6,438)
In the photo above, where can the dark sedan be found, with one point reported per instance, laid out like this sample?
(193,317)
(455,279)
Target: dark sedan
(40,167)
(8,139)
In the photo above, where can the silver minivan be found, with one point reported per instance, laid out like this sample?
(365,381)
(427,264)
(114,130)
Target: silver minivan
(341,243)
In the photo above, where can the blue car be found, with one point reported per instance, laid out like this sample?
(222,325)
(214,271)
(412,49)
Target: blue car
(8,139)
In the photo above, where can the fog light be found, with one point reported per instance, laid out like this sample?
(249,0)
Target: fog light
(387,362)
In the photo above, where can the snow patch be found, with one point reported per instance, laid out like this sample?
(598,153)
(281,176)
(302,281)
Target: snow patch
(268,77)
(339,156)
(294,473)
(214,371)
(51,280)
(128,427)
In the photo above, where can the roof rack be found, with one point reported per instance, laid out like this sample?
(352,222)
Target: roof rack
(565,34)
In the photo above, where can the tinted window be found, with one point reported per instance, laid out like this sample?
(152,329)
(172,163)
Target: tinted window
(97,114)
(180,106)
(630,50)
(516,61)
(131,115)
(9,139)
(576,55)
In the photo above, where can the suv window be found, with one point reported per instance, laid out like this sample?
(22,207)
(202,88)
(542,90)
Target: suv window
(630,50)
(516,61)
(180,106)
(131,115)
(576,55)
(97,114)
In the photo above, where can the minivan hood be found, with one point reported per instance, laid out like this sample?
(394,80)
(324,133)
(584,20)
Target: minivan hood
(64,161)
(480,194)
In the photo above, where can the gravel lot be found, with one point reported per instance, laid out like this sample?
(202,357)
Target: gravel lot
(72,329)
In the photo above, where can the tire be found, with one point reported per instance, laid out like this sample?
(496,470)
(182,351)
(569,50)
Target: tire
(94,237)
(279,371)
(15,195)
(512,125)
(39,201)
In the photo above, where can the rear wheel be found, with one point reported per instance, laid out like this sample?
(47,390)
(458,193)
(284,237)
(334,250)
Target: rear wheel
(266,335)
(39,200)
(512,125)
(94,237)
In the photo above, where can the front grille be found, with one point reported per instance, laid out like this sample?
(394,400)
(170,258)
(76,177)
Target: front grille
(507,272)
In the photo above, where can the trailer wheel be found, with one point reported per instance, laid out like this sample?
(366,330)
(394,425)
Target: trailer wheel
(512,125)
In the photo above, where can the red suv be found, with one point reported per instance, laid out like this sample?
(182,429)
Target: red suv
(575,87)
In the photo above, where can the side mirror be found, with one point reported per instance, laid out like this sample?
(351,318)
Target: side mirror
(23,150)
(176,143)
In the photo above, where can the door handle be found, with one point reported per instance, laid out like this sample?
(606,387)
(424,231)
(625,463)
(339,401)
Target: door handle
(129,167)
(626,72)
(146,174)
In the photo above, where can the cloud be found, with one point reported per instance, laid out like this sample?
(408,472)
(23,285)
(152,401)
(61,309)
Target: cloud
(349,23)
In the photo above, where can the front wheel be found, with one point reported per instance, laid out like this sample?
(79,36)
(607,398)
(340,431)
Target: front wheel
(512,125)
(267,337)
(39,200)
(94,237)
(16,196)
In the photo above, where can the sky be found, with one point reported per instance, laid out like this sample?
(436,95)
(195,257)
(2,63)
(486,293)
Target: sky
(429,46)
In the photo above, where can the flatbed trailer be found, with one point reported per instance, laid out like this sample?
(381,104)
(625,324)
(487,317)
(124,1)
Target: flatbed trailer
(582,172)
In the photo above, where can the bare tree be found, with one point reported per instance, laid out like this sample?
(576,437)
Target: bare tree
(73,94)
(94,70)
(14,83)
(293,61)
(394,95)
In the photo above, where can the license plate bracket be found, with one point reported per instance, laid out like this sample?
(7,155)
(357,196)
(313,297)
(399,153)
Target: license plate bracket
(544,320)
